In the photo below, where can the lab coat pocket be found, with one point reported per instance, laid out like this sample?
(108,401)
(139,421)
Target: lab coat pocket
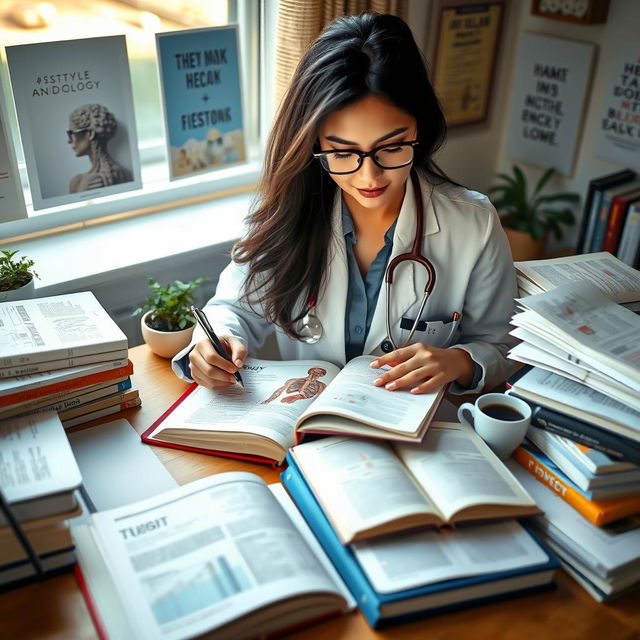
(434,333)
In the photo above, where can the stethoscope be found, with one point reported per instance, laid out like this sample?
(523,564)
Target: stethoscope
(309,326)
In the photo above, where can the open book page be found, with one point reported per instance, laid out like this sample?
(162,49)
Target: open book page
(275,395)
(557,391)
(459,472)
(602,332)
(360,485)
(206,554)
(352,395)
(416,559)
(617,280)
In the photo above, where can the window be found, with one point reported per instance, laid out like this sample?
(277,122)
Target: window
(139,20)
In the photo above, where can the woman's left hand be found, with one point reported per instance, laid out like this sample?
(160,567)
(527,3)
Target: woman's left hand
(424,368)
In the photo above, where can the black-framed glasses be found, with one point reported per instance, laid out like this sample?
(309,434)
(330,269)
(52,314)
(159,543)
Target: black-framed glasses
(387,156)
(72,132)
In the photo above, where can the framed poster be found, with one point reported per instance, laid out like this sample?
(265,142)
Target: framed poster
(618,136)
(11,197)
(202,99)
(465,56)
(548,97)
(76,118)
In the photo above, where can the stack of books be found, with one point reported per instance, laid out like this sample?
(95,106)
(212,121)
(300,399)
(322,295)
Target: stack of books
(63,353)
(604,560)
(38,482)
(611,217)
(392,550)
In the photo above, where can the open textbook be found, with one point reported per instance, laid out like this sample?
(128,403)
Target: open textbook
(369,488)
(597,335)
(223,555)
(617,280)
(283,400)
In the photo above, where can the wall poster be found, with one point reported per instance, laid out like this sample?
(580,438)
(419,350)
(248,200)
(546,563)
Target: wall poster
(618,137)
(547,100)
(202,98)
(76,118)
(465,56)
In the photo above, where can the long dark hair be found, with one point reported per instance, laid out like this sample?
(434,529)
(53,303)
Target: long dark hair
(289,235)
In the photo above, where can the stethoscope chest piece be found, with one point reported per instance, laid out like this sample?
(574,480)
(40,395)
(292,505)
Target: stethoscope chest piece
(310,328)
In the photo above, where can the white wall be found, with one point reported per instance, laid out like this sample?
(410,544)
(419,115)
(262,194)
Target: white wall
(474,154)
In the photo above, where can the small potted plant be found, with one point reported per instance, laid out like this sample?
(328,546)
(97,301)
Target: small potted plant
(167,322)
(16,276)
(528,218)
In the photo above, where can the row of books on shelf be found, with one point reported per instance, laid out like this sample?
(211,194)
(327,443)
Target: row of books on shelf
(63,354)
(611,216)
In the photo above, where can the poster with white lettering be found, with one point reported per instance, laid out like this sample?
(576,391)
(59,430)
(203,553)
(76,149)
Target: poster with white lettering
(76,118)
(549,93)
(202,97)
(11,197)
(618,137)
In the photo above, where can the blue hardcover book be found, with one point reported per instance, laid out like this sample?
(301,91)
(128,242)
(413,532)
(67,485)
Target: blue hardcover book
(382,609)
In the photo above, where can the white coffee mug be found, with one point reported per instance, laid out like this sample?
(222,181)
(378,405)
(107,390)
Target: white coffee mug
(500,420)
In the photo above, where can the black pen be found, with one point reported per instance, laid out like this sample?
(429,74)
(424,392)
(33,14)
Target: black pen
(213,338)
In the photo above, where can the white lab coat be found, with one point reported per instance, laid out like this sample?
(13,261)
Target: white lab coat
(475,277)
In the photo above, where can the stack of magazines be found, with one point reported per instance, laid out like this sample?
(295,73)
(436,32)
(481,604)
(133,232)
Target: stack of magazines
(39,479)
(63,353)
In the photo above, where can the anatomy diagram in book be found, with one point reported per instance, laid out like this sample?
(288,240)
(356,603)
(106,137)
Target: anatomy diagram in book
(296,389)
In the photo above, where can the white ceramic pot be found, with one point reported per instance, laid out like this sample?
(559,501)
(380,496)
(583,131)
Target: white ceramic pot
(21,293)
(164,343)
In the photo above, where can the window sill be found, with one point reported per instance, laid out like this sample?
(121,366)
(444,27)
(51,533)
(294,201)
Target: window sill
(91,256)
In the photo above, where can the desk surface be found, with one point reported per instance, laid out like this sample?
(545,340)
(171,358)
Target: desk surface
(55,608)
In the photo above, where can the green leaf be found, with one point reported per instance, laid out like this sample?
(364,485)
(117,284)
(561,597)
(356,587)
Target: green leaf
(542,182)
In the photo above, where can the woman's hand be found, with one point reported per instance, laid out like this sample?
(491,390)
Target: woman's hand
(213,371)
(428,368)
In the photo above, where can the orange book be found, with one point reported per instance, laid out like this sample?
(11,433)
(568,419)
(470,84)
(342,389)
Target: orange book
(101,373)
(599,512)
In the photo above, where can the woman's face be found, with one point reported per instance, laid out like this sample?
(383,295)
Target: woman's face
(365,125)
(80,142)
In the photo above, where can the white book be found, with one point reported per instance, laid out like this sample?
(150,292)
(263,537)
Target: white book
(617,280)
(38,470)
(57,327)
(629,248)
(221,555)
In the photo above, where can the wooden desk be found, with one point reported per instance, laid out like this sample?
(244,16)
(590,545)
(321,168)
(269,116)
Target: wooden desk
(55,608)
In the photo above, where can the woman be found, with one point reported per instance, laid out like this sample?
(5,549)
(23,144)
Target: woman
(349,157)
(91,126)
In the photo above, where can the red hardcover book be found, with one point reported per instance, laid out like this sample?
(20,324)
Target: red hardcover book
(157,440)
(617,214)
(37,386)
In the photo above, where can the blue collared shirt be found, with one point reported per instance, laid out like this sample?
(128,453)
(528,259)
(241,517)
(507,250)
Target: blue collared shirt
(362,294)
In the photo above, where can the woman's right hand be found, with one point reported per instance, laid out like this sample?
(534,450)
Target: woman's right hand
(213,371)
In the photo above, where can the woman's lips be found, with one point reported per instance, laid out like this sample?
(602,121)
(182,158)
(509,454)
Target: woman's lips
(372,193)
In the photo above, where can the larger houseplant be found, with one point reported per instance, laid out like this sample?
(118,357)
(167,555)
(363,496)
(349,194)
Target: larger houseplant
(167,322)
(16,276)
(528,218)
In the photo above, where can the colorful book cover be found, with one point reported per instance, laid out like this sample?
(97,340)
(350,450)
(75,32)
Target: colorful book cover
(202,98)
(76,118)
(11,198)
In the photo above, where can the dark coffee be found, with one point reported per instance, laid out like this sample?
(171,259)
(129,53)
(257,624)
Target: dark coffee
(502,412)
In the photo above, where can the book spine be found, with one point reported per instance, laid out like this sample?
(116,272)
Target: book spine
(541,473)
(55,365)
(63,353)
(614,224)
(615,446)
(592,217)
(94,415)
(630,241)
(67,385)
(102,403)
(64,401)
(601,224)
